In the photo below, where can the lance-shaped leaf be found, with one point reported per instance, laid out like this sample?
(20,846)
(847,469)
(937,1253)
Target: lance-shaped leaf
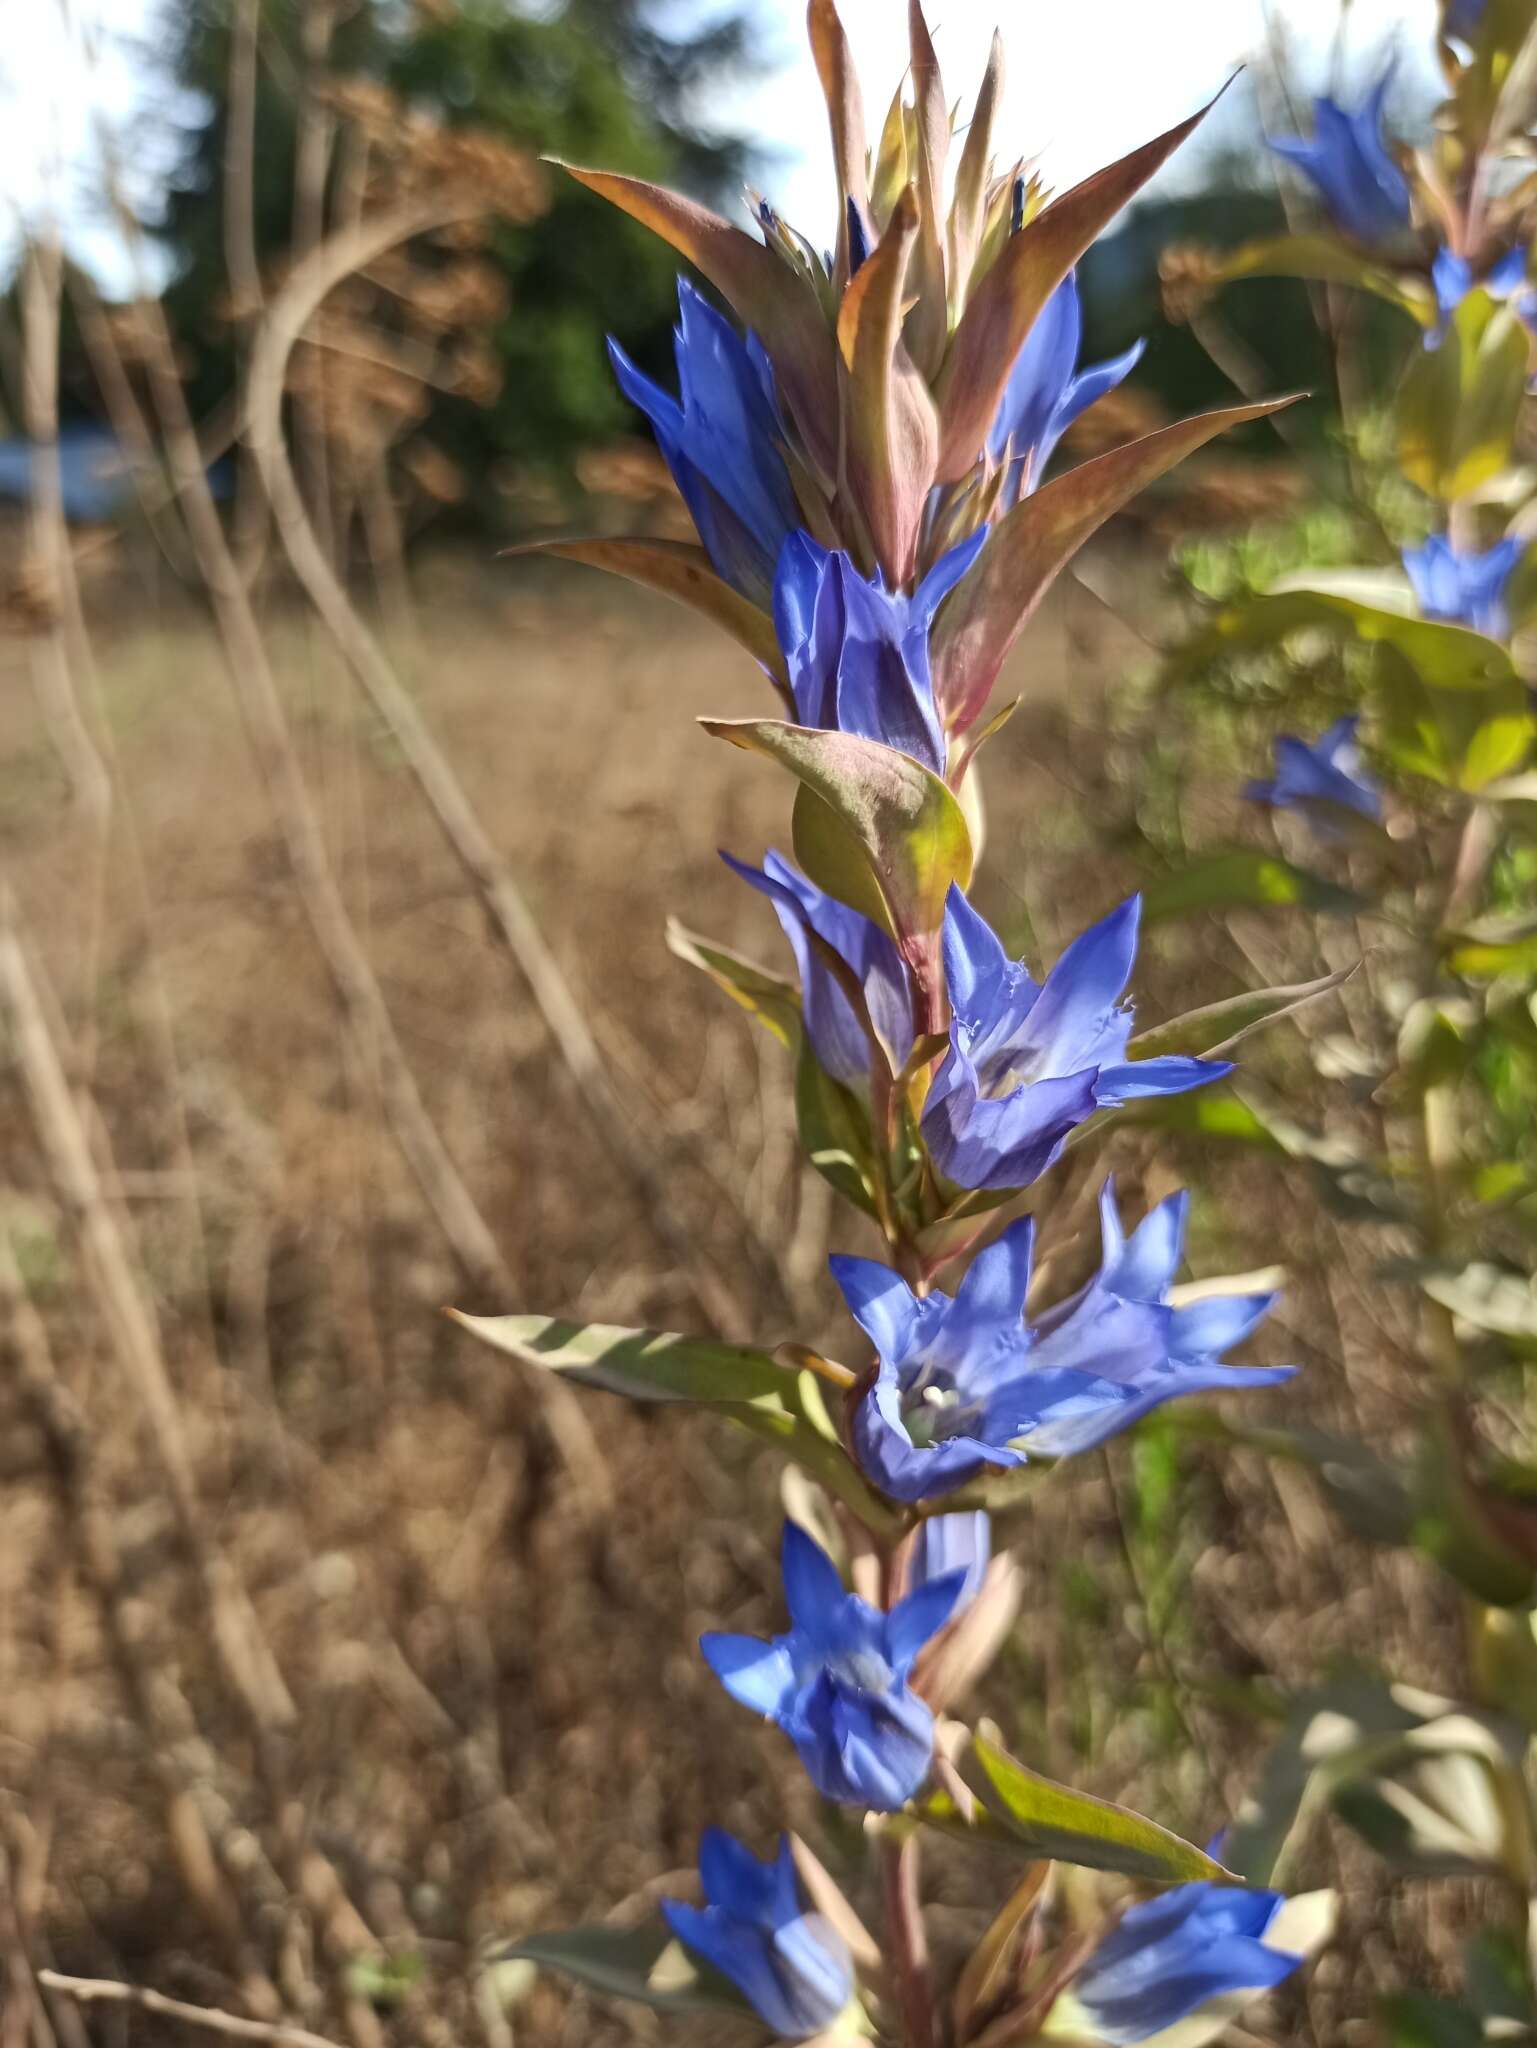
(987,1971)
(1218,1027)
(892,428)
(1006,302)
(679,570)
(893,841)
(1461,401)
(782,1406)
(646,1964)
(1050,1821)
(990,608)
(968,206)
(781,311)
(845,114)
(1489,1297)
(1329,260)
(1244,878)
(1445,656)
(928,324)
(768,997)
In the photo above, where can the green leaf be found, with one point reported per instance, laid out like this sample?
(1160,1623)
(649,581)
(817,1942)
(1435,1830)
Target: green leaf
(1218,1027)
(1051,1821)
(1330,260)
(643,1963)
(768,997)
(1244,877)
(1454,1524)
(1461,401)
(834,1127)
(895,838)
(1445,656)
(749,1387)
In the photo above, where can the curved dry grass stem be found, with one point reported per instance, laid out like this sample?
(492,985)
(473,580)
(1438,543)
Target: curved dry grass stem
(287,317)
(107,1991)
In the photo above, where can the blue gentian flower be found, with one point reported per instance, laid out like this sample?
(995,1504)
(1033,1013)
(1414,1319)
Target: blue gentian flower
(964,1384)
(856,653)
(837,1036)
(1319,777)
(837,1682)
(1030,1061)
(723,442)
(1464,589)
(1047,391)
(1464,18)
(949,1543)
(1083,1335)
(791,1966)
(1173,1953)
(1452,278)
(1352,166)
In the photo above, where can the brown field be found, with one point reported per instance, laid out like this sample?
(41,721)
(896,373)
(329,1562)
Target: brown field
(487,1714)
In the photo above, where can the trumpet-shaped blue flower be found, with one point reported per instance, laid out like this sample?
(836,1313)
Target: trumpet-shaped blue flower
(837,1682)
(1173,1953)
(1464,589)
(791,1966)
(856,653)
(1047,391)
(1452,278)
(722,442)
(1320,777)
(964,1384)
(1349,162)
(1029,1061)
(837,1036)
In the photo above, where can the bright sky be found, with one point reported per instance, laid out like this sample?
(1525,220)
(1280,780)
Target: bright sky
(1087,81)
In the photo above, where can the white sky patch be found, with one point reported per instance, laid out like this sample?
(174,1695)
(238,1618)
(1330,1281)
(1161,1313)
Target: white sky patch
(1086,80)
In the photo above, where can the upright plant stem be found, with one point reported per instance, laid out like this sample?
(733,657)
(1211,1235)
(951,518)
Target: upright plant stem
(908,1941)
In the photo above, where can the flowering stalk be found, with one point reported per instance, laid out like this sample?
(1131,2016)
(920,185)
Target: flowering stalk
(869,444)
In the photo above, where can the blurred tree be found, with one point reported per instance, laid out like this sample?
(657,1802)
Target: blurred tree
(613,82)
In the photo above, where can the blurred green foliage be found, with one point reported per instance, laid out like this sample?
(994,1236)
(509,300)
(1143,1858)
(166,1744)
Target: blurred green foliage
(593,81)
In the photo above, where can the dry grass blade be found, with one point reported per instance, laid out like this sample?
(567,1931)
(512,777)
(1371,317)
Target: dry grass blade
(105,1991)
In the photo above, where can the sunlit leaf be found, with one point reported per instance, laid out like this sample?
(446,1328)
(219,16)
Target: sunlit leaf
(768,997)
(1446,656)
(1461,401)
(1049,1820)
(1330,260)
(782,1406)
(1218,1027)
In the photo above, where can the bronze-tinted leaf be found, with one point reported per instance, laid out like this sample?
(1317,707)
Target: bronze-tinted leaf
(845,112)
(1007,302)
(984,617)
(781,311)
(679,569)
(892,429)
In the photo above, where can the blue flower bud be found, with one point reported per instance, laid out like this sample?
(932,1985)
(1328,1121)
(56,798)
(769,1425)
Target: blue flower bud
(1029,1061)
(837,1682)
(857,654)
(1321,777)
(1464,589)
(1352,167)
(791,1966)
(1168,1956)
(722,441)
(1047,391)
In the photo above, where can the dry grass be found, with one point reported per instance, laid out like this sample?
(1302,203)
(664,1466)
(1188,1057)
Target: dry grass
(501,1722)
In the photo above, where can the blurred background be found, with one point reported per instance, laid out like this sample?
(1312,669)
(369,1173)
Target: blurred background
(336,848)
